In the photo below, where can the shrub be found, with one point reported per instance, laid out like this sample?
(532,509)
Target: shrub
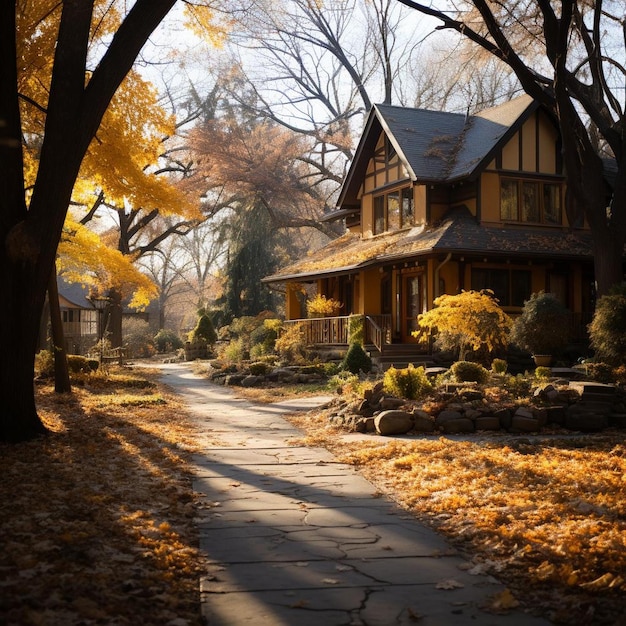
(543,326)
(259,368)
(600,372)
(44,363)
(204,329)
(469,322)
(167,341)
(77,363)
(291,344)
(263,337)
(543,372)
(411,382)
(138,338)
(356,360)
(607,330)
(499,366)
(467,371)
(345,382)
(321,306)
(235,351)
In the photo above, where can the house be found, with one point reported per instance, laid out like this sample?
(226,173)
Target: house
(438,202)
(81,321)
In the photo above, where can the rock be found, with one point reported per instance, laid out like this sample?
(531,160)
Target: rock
(388,403)
(523,424)
(447,415)
(422,422)
(252,381)
(460,425)
(487,422)
(365,409)
(393,422)
(471,414)
(555,414)
(541,415)
(583,417)
(523,411)
(505,418)
(234,379)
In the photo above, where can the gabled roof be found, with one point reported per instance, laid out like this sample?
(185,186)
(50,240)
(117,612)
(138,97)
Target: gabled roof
(436,146)
(458,232)
(75,294)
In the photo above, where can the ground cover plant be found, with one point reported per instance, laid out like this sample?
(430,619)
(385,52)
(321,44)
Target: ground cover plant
(544,513)
(97,518)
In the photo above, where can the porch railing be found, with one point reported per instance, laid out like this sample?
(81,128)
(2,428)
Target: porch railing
(335,330)
(378,330)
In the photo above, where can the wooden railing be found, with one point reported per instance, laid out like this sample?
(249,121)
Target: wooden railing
(323,330)
(378,330)
(335,330)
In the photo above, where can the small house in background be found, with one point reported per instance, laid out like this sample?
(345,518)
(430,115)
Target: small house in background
(80,319)
(436,203)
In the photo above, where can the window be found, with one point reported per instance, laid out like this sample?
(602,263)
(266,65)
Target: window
(530,201)
(393,210)
(510,287)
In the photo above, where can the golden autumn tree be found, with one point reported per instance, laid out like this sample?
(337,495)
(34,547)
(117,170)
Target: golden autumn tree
(61,64)
(470,322)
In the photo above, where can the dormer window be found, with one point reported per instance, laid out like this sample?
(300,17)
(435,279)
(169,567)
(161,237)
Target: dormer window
(393,210)
(530,201)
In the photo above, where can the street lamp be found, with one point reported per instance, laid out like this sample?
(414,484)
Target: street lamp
(100,303)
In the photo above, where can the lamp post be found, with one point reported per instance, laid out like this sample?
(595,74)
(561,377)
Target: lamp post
(100,303)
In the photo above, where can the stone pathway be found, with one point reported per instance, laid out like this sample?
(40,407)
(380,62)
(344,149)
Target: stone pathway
(294,537)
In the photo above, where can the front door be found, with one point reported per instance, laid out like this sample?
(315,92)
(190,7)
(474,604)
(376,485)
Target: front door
(411,302)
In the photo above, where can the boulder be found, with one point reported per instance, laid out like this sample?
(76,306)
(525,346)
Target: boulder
(447,415)
(393,422)
(524,424)
(460,425)
(487,422)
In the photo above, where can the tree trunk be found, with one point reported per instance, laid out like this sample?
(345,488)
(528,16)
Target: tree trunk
(114,325)
(19,330)
(61,370)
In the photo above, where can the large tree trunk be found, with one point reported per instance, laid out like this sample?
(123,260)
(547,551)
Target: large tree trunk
(29,238)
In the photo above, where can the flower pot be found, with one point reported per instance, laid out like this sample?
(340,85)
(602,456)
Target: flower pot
(542,360)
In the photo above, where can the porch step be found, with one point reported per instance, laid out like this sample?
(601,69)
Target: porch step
(400,356)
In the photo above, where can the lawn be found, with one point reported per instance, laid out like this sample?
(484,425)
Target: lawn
(96,522)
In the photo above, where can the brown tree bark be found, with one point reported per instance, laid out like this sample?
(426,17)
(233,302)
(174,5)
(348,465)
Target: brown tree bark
(61,370)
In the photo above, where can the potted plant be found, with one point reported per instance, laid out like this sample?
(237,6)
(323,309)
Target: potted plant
(542,328)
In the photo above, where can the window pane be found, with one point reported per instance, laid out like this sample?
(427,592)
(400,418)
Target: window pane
(530,202)
(552,204)
(407,207)
(496,280)
(508,200)
(393,210)
(520,287)
(379,215)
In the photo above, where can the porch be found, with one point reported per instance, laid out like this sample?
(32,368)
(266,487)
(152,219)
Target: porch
(332,335)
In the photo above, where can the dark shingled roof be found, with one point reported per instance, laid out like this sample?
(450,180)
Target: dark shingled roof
(443,147)
(459,232)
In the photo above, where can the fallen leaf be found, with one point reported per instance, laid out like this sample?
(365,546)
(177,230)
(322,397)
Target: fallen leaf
(449,584)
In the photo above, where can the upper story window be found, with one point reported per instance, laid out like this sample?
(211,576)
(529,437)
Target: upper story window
(393,210)
(530,201)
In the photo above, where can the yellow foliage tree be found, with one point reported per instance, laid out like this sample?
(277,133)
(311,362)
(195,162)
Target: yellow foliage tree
(85,258)
(471,323)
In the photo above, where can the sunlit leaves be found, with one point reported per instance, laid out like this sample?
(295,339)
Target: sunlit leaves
(85,258)
(469,321)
